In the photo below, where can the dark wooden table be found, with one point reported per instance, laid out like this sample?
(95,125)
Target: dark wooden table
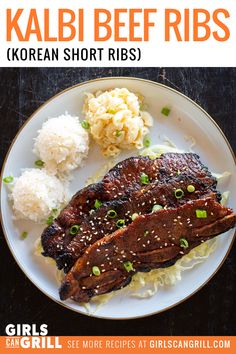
(209,312)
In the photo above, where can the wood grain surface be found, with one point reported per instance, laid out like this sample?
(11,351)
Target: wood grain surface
(209,312)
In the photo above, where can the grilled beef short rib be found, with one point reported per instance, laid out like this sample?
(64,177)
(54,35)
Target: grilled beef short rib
(99,224)
(150,241)
(121,181)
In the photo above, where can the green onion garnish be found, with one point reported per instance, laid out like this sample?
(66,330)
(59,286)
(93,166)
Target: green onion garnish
(85,124)
(96,271)
(120,223)
(134,216)
(147,141)
(178,173)
(156,207)
(201,214)
(111,214)
(165,111)
(111,111)
(144,179)
(50,220)
(97,204)
(8,179)
(190,188)
(23,235)
(74,229)
(183,243)
(128,266)
(146,233)
(39,163)
(179,193)
(118,133)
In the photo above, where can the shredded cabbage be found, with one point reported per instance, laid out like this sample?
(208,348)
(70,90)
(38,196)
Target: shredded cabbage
(221,176)
(101,172)
(192,141)
(155,151)
(224,198)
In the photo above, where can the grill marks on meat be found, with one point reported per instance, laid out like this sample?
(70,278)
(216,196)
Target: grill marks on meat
(120,181)
(142,201)
(150,241)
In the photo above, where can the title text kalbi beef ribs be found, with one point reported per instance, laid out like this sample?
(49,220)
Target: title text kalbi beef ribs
(150,241)
(122,180)
(142,201)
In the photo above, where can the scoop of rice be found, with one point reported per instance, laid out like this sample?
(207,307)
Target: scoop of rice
(36,193)
(62,144)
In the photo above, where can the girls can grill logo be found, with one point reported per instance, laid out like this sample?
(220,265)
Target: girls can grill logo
(30,336)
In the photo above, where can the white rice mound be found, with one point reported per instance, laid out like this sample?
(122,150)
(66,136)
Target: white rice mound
(36,193)
(62,144)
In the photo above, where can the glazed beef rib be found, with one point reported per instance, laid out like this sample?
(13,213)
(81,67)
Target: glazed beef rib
(99,224)
(150,241)
(122,180)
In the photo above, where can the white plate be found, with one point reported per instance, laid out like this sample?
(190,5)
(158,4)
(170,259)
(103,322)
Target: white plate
(186,119)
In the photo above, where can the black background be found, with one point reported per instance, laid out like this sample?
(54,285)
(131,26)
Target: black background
(209,312)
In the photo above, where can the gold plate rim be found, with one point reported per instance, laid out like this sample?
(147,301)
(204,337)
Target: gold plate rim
(33,115)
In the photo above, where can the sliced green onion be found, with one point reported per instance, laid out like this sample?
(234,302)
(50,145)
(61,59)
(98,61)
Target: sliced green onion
(111,214)
(120,223)
(118,133)
(154,156)
(39,163)
(74,229)
(165,111)
(8,179)
(23,235)
(144,179)
(96,271)
(190,188)
(85,124)
(201,214)
(134,216)
(146,233)
(156,207)
(128,266)
(147,141)
(111,111)
(50,220)
(178,173)
(97,204)
(179,193)
(183,243)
